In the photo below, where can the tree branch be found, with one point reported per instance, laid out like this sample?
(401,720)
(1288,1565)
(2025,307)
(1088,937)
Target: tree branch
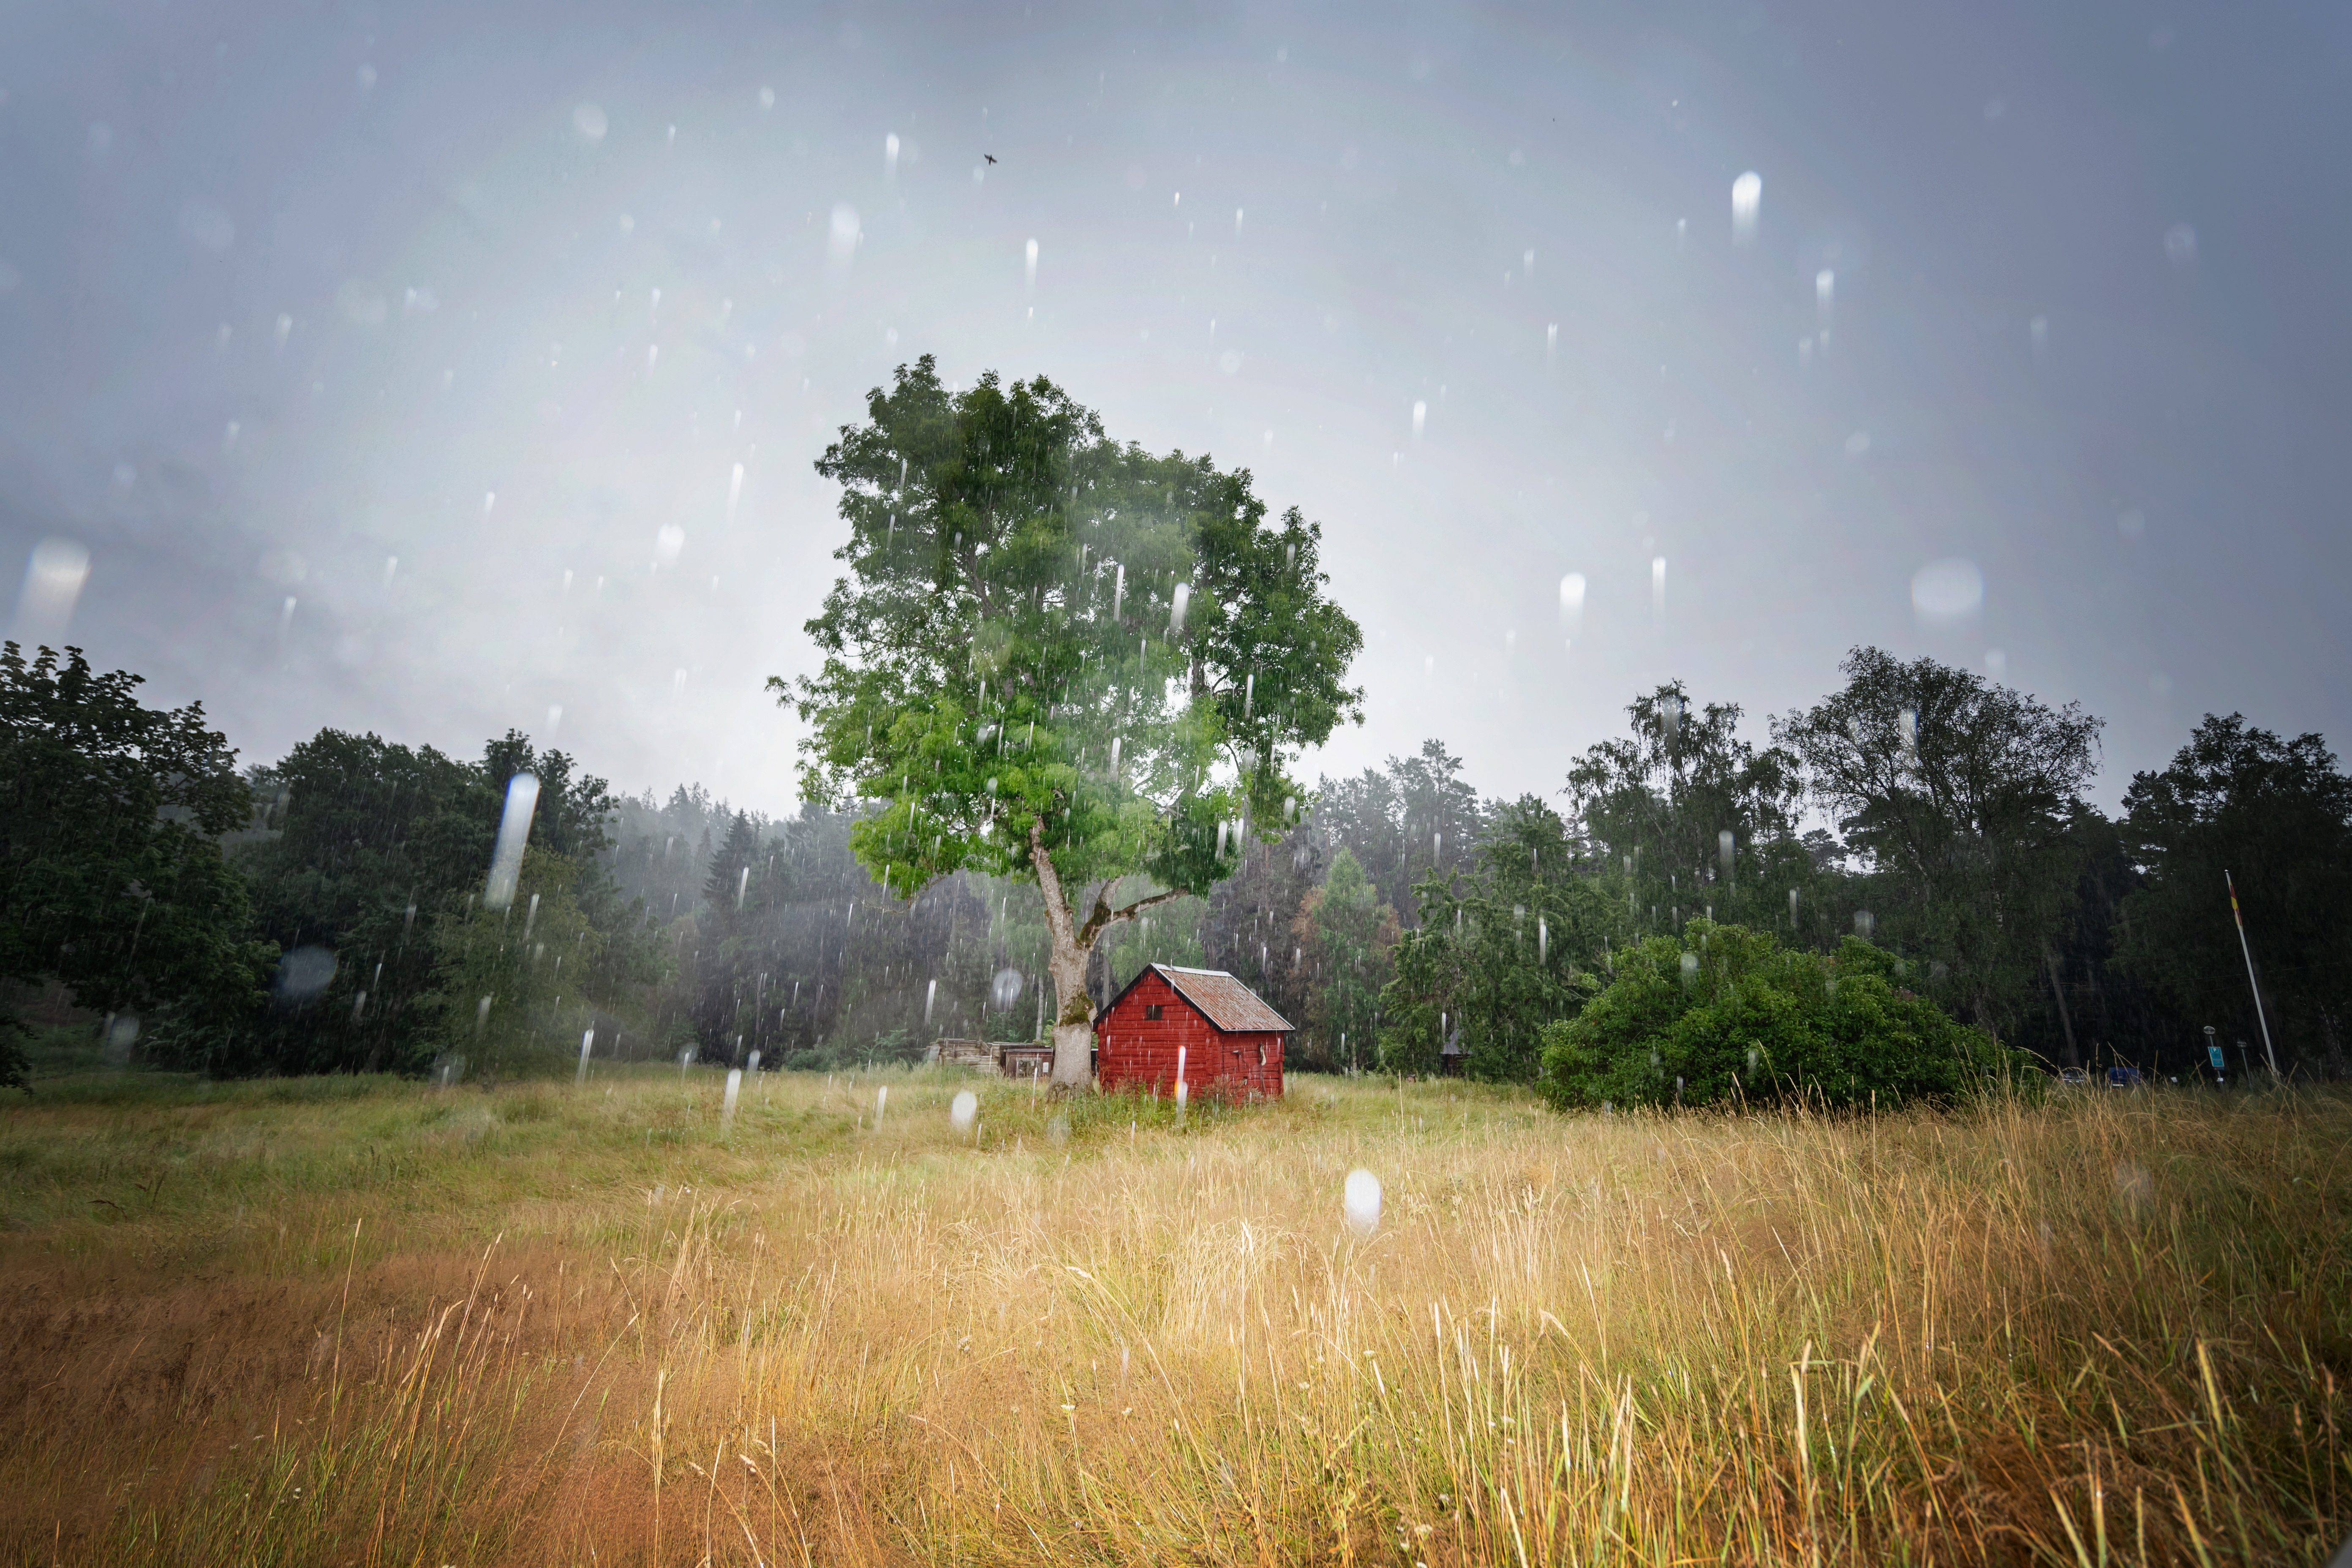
(1104,916)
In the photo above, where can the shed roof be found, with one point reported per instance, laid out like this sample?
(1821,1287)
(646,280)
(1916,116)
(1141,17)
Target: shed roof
(1224,1001)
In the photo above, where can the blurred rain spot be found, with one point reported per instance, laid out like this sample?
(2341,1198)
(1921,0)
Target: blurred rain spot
(890,156)
(203,224)
(1947,592)
(1419,417)
(2180,246)
(302,975)
(514,828)
(1572,603)
(588,120)
(54,574)
(2131,523)
(1824,295)
(964,1111)
(842,235)
(1747,203)
(668,541)
(1029,265)
(1359,1202)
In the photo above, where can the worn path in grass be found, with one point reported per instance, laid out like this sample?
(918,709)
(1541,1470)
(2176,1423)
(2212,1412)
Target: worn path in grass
(342,1321)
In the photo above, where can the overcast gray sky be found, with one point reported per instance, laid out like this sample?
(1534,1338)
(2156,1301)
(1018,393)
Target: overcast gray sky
(2034,356)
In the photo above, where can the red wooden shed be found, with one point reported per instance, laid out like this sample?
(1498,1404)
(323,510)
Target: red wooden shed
(1232,1040)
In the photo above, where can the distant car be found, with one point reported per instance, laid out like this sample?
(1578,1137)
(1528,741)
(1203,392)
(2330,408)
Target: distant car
(2075,1075)
(2121,1076)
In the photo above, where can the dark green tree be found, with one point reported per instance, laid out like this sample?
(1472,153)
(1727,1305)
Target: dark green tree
(2275,815)
(372,847)
(1959,795)
(1501,951)
(1692,818)
(1416,817)
(1722,1012)
(1060,658)
(111,878)
(1350,939)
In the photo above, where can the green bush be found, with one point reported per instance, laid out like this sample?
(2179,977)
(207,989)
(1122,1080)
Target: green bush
(1726,1011)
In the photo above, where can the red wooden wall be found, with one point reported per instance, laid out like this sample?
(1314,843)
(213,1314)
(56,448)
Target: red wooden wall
(1132,1051)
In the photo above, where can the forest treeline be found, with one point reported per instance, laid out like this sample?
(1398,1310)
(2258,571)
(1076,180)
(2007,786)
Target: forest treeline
(1920,830)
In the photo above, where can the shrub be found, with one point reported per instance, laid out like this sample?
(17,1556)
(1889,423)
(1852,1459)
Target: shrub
(1725,1010)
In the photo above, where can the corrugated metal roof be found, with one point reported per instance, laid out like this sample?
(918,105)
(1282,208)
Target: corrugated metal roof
(1222,1000)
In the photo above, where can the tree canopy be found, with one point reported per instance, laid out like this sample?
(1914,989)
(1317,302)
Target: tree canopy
(2275,816)
(1962,793)
(1060,658)
(112,881)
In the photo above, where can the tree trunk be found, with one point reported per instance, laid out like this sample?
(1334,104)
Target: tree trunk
(1073,1009)
(1072,946)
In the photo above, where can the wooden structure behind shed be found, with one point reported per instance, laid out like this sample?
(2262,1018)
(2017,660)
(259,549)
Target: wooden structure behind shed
(1232,1042)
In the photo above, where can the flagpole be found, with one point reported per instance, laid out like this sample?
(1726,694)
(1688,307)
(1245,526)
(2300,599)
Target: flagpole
(2260,1016)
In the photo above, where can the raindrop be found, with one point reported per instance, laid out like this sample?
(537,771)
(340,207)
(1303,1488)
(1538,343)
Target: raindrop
(2131,524)
(1747,200)
(1947,592)
(2180,246)
(1006,989)
(1572,603)
(1658,585)
(842,236)
(588,120)
(1419,417)
(668,541)
(890,156)
(1030,264)
(1824,295)
(964,1111)
(1857,444)
(514,828)
(53,576)
(1181,601)
(1360,1202)
(302,976)
(734,492)
(1864,924)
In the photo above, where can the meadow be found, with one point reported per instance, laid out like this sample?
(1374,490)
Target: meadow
(363,1320)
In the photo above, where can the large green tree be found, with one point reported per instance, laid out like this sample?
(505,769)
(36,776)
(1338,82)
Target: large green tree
(112,881)
(1961,796)
(2275,816)
(1691,817)
(1059,657)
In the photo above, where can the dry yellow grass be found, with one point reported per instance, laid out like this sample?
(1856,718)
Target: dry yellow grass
(367,1322)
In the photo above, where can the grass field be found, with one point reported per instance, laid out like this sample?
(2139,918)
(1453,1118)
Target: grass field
(348,1321)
